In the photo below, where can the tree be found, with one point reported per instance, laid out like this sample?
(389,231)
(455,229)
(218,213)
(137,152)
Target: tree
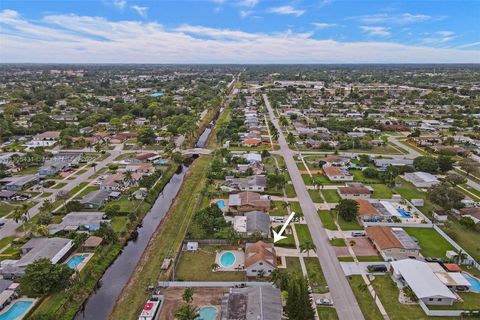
(42,230)
(347,209)
(455,179)
(73,206)
(276,181)
(42,277)
(306,246)
(469,166)
(280,278)
(214,266)
(299,303)
(445,163)
(107,233)
(468,222)
(291,139)
(445,196)
(188,295)
(146,135)
(426,164)
(371,173)
(187,312)
(112,209)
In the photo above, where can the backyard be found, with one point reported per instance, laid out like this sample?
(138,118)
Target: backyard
(431,243)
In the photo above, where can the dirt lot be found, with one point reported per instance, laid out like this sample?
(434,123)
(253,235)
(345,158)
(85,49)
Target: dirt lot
(201,297)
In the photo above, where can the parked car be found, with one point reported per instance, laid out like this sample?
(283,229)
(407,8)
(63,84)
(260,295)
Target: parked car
(2,223)
(358,234)
(324,302)
(377,268)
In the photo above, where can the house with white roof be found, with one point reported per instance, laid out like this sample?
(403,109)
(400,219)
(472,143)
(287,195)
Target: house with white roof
(421,179)
(422,280)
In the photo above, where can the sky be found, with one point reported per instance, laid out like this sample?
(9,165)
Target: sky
(240,31)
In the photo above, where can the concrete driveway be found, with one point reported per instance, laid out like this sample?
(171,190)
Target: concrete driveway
(354,268)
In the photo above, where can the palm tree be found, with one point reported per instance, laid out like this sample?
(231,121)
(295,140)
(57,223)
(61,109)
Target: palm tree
(214,266)
(461,255)
(307,246)
(187,312)
(128,177)
(188,295)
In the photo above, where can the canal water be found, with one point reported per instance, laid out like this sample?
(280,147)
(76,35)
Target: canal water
(100,303)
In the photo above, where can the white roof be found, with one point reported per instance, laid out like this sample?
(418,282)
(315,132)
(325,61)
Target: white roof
(420,277)
(253,157)
(390,208)
(453,279)
(425,176)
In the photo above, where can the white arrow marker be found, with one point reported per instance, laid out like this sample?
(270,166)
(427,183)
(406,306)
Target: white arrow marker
(278,236)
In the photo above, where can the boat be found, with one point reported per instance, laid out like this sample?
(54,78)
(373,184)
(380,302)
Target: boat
(152,308)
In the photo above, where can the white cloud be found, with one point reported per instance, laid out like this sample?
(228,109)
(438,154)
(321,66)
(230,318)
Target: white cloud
(85,39)
(404,18)
(287,10)
(120,4)
(323,25)
(249,3)
(245,13)
(142,11)
(375,31)
(439,37)
(469,45)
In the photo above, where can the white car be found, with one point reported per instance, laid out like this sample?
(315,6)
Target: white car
(324,302)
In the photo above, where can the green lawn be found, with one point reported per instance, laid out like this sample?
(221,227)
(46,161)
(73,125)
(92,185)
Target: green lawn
(471,301)
(127,205)
(279,209)
(468,239)
(59,185)
(432,244)
(295,207)
(79,187)
(86,191)
(381,191)
(293,265)
(315,274)
(315,195)
(119,223)
(338,242)
(303,233)
(361,259)
(359,177)
(5,209)
(327,220)
(327,313)
(331,195)
(364,299)
(388,293)
(196,266)
(307,179)
(348,225)
(290,191)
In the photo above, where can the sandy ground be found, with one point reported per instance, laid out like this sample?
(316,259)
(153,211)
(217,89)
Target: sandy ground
(201,297)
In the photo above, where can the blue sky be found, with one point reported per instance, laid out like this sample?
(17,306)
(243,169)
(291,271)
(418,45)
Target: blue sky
(240,31)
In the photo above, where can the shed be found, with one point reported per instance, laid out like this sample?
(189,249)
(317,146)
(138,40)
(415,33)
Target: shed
(192,246)
(92,243)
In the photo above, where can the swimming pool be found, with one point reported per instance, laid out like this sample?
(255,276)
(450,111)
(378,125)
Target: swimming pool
(221,204)
(16,310)
(207,313)
(473,281)
(227,259)
(404,213)
(156,94)
(74,261)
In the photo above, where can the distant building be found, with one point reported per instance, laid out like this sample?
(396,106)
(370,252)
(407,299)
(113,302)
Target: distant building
(256,183)
(45,139)
(337,174)
(19,183)
(73,221)
(251,222)
(354,192)
(95,199)
(248,201)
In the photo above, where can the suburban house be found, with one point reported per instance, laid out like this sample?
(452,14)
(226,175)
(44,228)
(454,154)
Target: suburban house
(59,162)
(251,142)
(335,161)
(421,179)
(45,139)
(354,192)
(95,199)
(8,292)
(251,222)
(425,141)
(392,243)
(53,249)
(91,243)
(255,183)
(423,282)
(19,183)
(260,257)
(384,163)
(252,303)
(366,211)
(88,221)
(337,174)
(248,201)
(450,276)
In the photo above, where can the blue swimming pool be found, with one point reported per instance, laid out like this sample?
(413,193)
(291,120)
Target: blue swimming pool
(207,313)
(473,281)
(74,261)
(16,310)
(227,259)
(221,204)
(156,94)
(404,213)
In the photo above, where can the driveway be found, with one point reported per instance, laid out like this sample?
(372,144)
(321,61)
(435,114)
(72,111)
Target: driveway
(353,268)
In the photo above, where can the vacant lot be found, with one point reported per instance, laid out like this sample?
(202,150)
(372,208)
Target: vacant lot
(432,244)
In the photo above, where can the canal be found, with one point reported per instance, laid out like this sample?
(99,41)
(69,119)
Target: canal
(102,300)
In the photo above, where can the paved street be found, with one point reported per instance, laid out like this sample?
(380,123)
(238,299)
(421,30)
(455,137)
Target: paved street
(343,297)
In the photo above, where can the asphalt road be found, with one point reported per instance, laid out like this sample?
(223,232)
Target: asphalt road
(342,295)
